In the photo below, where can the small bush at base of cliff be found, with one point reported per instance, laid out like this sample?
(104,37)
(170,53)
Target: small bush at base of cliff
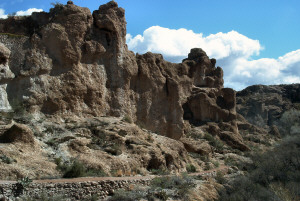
(216,143)
(77,169)
(190,168)
(6,159)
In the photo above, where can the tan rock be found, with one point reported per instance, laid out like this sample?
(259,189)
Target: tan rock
(5,72)
(234,140)
(78,63)
(195,146)
(18,133)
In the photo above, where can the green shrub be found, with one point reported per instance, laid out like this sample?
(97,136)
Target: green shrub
(230,161)
(194,135)
(216,143)
(162,195)
(77,169)
(7,160)
(127,195)
(127,119)
(220,178)
(190,168)
(172,182)
(216,163)
(289,123)
(182,185)
(162,182)
(207,166)
(21,185)
(278,166)
(57,7)
(52,142)
(95,173)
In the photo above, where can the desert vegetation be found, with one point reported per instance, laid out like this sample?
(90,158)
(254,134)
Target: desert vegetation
(273,175)
(161,188)
(289,123)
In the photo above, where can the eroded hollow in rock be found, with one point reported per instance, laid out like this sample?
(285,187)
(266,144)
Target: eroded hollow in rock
(3,60)
(187,113)
(49,107)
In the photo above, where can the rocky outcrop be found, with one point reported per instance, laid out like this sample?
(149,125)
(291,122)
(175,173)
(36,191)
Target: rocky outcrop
(5,76)
(263,106)
(70,62)
(18,133)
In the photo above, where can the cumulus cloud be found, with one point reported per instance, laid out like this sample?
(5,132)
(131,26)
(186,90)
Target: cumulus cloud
(176,44)
(232,50)
(243,72)
(20,13)
(2,14)
(28,12)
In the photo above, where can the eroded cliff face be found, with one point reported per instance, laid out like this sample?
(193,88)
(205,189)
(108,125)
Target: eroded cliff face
(70,62)
(264,106)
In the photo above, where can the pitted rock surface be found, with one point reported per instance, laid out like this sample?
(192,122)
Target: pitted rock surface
(73,62)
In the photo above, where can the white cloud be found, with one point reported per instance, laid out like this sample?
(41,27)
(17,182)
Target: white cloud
(2,14)
(232,50)
(28,12)
(20,13)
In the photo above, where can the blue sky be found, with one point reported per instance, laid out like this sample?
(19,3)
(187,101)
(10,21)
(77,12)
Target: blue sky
(255,41)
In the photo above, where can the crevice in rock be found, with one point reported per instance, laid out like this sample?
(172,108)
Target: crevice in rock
(169,160)
(187,113)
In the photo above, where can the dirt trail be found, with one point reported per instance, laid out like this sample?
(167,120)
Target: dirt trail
(222,168)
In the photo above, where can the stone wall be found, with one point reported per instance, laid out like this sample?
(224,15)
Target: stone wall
(81,189)
(72,190)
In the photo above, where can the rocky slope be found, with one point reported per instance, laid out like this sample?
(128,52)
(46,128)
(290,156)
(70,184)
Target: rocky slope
(264,106)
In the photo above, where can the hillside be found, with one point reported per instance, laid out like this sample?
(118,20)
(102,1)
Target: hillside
(72,93)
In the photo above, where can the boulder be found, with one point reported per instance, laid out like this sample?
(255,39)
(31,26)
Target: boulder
(18,133)
(194,146)
(233,140)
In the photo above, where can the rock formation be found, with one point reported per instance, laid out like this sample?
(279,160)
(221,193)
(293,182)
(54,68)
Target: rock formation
(5,76)
(17,133)
(70,62)
(263,106)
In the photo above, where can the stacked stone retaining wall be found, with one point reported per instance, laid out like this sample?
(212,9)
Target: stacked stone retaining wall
(72,190)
